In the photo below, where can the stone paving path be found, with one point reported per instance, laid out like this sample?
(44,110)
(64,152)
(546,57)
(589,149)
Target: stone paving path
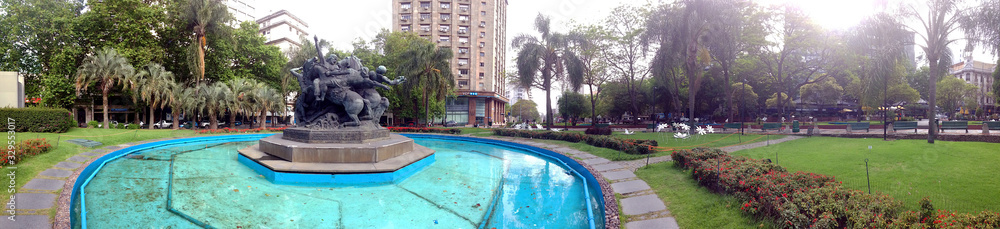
(39,196)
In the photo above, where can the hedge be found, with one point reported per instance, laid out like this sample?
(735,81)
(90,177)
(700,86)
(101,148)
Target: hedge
(24,150)
(425,130)
(35,119)
(630,146)
(807,200)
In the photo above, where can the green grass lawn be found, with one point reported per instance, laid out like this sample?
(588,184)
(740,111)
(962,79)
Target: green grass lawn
(30,167)
(960,176)
(692,205)
(664,140)
(478,132)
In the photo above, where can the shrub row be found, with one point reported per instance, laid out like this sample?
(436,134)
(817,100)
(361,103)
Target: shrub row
(23,150)
(630,146)
(425,130)
(36,119)
(227,130)
(807,200)
(598,131)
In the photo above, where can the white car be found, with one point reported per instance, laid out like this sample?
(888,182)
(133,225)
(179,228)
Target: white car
(206,124)
(162,124)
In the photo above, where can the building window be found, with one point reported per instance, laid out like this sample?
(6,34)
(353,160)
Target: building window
(463,83)
(406,17)
(445,39)
(463,18)
(445,17)
(482,54)
(425,16)
(481,75)
(484,4)
(482,44)
(445,5)
(405,28)
(404,6)
(425,28)
(463,40)
(482,13)
(463,29)
(444,28)
(481,64)
(463,7)
(462,62)
(463,50)
(482,34)
(463,72)
(480,86)
(425,5)
(482,23)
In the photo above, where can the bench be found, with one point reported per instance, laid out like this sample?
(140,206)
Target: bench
(602,125)
(770,126)
(904,125)
(955,125)
(731,126)
(859,126)
(992,125)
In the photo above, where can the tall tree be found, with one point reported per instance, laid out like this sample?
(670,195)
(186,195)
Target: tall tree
(541,62)
(981,27)
(955,93)
(204,17)
(624,53)
(572,105)
(428,69)
(154,86)
(589,46)
(939,21)
(524,109)
(214,97)
(106,69)
(129,26)
(878,42)
(42,42)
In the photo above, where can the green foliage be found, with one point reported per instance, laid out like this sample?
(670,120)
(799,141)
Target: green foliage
(58,92)
(252,58)
(572,105)
(954,93)
(57,120)
(93,124)
(825,92)
(544,60)
(25,150)
(524,110)
(128,26)
(41,40)
(745,99)
(630,146)
(598,131)
(105,69)
(773,100)
(425,130)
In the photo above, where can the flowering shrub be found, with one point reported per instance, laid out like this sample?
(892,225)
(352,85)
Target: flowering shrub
(227,130)
(425,130)
(807,200)
(630,146)
(598,131)
(25,149)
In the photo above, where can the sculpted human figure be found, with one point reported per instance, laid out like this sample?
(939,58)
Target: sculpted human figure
(345,83)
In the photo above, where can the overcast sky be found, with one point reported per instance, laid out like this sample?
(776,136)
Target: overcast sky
(343,21)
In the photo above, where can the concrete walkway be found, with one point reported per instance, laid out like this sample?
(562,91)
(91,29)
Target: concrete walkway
(50,190)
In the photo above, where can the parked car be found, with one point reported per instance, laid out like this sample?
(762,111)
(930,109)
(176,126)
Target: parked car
(162,124)
(450,124)
(205,124)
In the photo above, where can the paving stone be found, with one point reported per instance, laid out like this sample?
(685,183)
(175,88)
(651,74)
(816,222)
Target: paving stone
(34,200)
(98,151)
(666,223)
(596,161)
(90,154)
(26,222)
(642,205)
(607,167)
(618,175)
(56,173)
(67,165)
(629,186)
(44,184)
(79,159)
(586,156)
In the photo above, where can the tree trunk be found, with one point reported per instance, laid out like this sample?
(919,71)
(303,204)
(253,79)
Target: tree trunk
(262,118)
(593,106)
(427,117)
(931,100)
(177,117)
(548,103)
(201,58)
(728,86)
(232,119)
(213,122)
(152,111)
(105,99)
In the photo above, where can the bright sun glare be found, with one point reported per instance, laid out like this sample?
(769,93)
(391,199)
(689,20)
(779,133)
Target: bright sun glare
(834,14)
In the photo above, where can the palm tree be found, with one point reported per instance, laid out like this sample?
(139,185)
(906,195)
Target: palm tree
(203,17)
(154,87)
(429,69)
(214,101)
(266,99)
(240,100)
(549,56)
(180,99)
(943,18)
(106,68)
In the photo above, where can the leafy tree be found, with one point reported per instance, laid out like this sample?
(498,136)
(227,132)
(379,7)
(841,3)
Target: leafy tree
(942,18)
(129,26)
(594,68)
(241,99)
(615,101)
(41,42)
(918,80)
(878,43)
(955,93)
(106,69)
(153,88)
(214,97)
(181,99)
(572,105)
(623,53)
(541,62)
(825,92)
(773,101)
(204,17)
(524,110)
(746,98)
(428,70)
(981,27)
(255,59)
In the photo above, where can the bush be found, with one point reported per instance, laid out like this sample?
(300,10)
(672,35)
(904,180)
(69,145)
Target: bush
(93,124)
(598,131)
(25,149)
(807,200)
(630,146)
(907,119)
(34,119)
(425,130)
(132,127)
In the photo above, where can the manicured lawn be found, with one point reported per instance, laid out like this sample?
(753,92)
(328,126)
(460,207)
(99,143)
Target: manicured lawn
(665,140)
(29,168)
(479,132)
(692,205)
(960,176)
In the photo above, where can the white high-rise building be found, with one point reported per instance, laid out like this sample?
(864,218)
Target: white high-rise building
(283,29)
(242,10)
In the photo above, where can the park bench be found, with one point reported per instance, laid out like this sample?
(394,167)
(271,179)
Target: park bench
(603,125)
(955,125)
(770,126)
(904,125)
(731,126)
(858,126)
(992,125)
